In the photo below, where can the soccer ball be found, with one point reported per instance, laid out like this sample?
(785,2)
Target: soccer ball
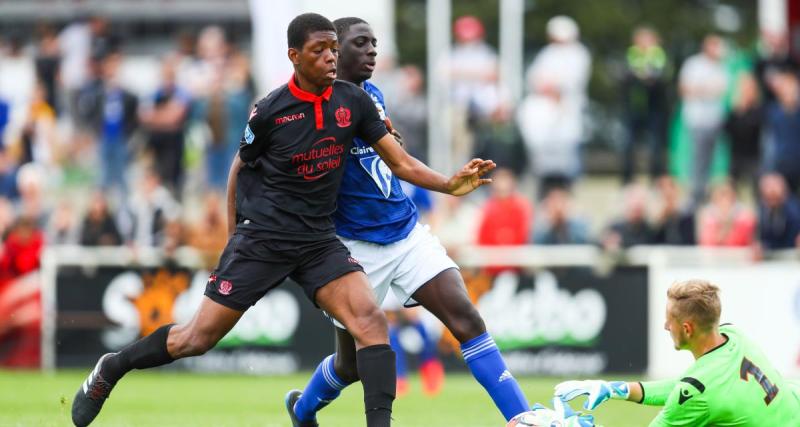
(560,416)
(538,418)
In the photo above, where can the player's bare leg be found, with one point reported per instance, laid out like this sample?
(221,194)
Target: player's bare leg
(445,296)
(168,343)
(351,301)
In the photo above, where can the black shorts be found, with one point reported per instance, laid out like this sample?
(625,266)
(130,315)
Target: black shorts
(250,266)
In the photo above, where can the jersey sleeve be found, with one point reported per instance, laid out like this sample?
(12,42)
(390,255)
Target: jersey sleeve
(371,127)
(655,393)
(685,406)
(256,133)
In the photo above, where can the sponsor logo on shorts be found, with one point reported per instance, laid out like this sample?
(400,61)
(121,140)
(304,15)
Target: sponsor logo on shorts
(225,287)
(352,260)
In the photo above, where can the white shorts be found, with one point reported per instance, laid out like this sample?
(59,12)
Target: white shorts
(403,266)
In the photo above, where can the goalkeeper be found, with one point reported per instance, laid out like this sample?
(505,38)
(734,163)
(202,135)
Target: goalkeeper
(731,382)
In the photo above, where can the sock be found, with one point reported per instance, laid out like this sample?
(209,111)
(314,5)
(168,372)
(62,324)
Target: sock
(400,354)
(376,369)
(488,367)
(323,387)
(428,346)
(148,352)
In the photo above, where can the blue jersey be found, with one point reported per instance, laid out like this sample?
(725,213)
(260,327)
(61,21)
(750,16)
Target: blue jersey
(372,206)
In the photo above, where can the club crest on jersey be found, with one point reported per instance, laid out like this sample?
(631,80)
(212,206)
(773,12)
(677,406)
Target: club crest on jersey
(342,115)
(249,136)
(380,173)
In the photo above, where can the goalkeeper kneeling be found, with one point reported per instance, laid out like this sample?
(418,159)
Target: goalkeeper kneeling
(731,382)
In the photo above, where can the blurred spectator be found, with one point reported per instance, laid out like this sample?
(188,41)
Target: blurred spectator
(473,67)
(227,107)
(4,118)
(110,111)
(674,225)
(774,56)
(783,130)
(563,65)
(48,59)
(778,214)
(30,185)
(645,95)
(744,129)
(455,221)
(21,249)
(38,137)
(409,111)
(7,217)
(552,133)
(498,138)
(725,221)
(703,82)
(150,210)
(473,71)
(17,80)
(558,225)
(210,234)
(75,45)
(99,227)
(551,116)
(165,119)
(62,226)
(633,229)
(8,175)
(506,215)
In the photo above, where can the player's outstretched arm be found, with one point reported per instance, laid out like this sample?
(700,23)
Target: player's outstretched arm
(410,169)
(654,393)
(231,196)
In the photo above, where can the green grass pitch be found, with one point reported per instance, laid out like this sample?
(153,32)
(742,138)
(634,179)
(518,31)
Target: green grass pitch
(182,399)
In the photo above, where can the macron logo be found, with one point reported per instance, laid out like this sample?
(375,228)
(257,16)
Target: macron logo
(505,376)
(289,118)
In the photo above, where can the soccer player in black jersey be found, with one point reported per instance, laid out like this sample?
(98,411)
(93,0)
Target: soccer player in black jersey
(286,179)
(436,283)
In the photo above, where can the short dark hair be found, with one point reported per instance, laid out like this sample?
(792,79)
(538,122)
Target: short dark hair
(305,24)
(344,24)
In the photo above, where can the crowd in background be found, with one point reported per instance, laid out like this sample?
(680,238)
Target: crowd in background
(86,160)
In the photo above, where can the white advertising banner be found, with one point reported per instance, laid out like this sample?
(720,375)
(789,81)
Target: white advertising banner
(761,299)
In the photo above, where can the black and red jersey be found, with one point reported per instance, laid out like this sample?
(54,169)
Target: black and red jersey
(294,147)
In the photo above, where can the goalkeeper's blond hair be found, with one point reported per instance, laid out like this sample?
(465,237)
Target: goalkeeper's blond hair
(697,300)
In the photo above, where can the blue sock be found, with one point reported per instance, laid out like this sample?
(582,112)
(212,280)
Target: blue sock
(400,361)
(428,346)
(487,366)
(323,387)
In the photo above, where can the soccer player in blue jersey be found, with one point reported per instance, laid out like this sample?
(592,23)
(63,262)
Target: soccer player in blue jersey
(378,224)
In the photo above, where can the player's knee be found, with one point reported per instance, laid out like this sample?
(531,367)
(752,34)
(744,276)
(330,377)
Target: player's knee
(370,325)
(346,369)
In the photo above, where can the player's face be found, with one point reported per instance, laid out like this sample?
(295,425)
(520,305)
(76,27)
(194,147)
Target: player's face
(357,54)
(316,61)
(676,329)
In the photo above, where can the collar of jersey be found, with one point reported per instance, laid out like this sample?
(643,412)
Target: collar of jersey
(308,96)
(312,98)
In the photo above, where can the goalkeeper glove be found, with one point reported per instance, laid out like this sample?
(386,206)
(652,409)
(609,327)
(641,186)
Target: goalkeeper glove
(597,391)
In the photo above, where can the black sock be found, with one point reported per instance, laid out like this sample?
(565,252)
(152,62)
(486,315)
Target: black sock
(148,352)
(376,367)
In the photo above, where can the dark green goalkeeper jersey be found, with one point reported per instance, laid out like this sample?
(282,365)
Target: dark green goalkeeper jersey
(732,385)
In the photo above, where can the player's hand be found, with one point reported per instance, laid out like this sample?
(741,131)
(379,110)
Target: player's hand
(597,391)
(469,177)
